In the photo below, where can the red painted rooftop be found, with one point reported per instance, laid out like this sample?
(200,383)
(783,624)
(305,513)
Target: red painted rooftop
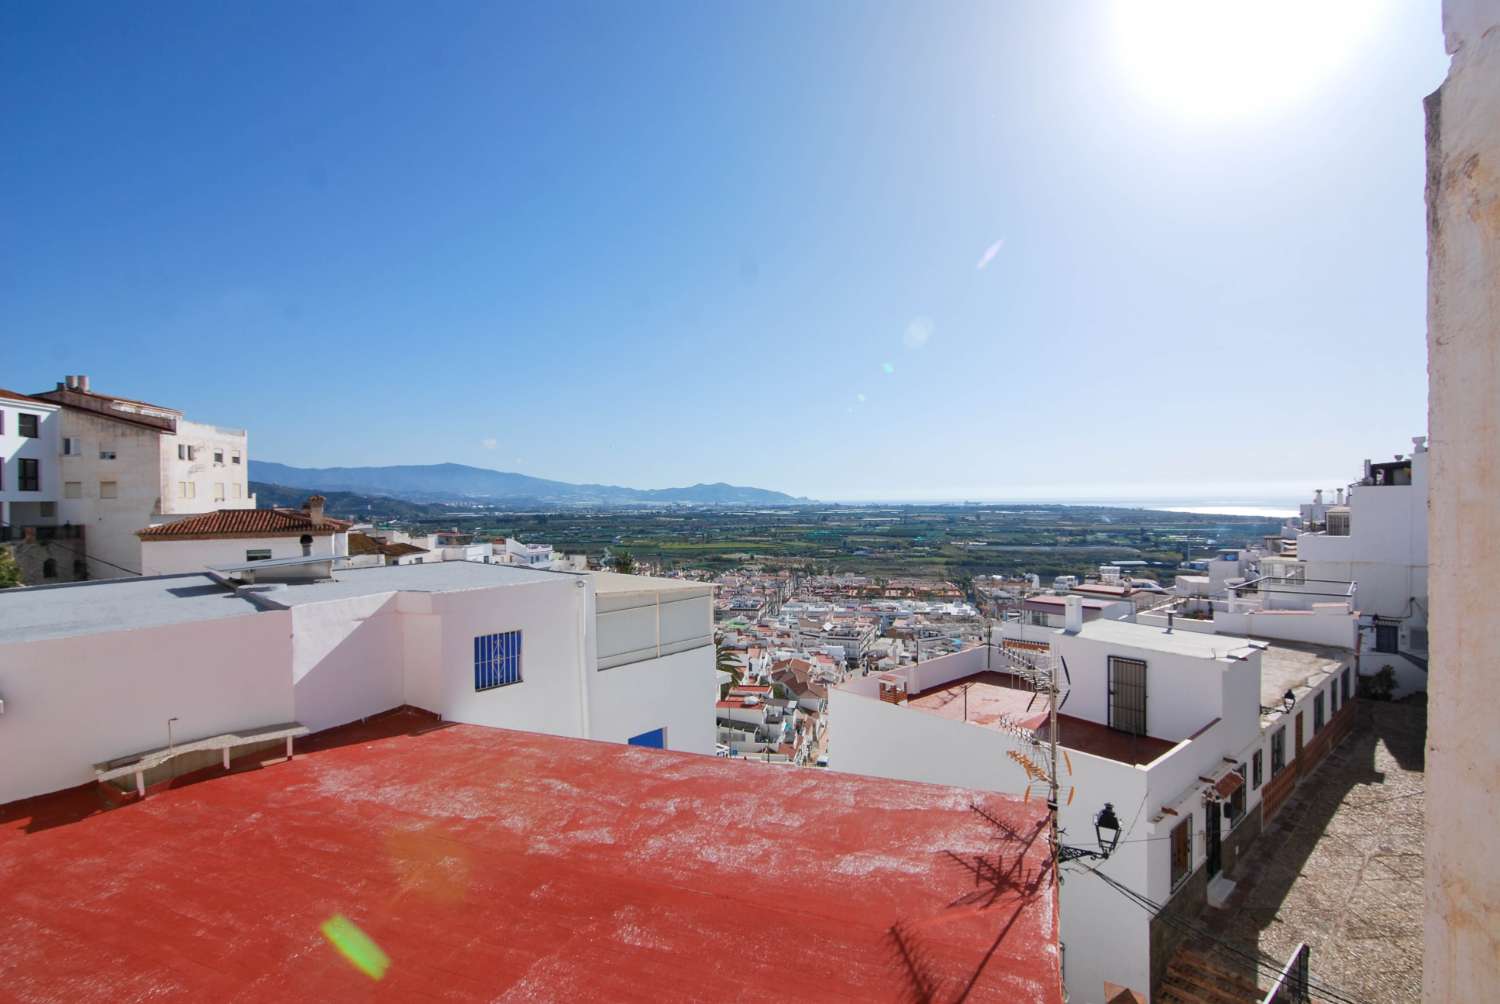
(497,865)
(992,699)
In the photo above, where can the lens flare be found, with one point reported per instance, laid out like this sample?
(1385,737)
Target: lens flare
(888,368)
(989,255)
(356,946)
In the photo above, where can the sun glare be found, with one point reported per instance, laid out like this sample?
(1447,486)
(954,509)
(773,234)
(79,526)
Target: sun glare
(1206,59)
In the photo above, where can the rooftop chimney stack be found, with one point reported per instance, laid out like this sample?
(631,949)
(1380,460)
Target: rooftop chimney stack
(1072,614)
(70,382)
(1318,497)
(1418,444)
(1341,496)
(314,506)
(83,382)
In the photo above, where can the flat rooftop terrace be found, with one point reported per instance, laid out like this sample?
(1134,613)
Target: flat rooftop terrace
(428,577)
(989,699)
(36,613)
(1293,666)
(494,865)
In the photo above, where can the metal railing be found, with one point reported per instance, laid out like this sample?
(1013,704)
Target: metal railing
(1291,985)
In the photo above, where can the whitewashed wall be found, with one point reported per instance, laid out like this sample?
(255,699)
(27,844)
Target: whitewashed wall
(73,702)
(676,691)
(345,663)
(1107,937)
(170,557)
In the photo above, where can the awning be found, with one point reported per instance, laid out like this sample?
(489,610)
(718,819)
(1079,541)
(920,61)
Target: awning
(1226,786)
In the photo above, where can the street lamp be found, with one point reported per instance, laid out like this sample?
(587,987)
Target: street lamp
(1106,832)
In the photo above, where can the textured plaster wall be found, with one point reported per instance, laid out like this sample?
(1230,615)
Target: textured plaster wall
(1462,938)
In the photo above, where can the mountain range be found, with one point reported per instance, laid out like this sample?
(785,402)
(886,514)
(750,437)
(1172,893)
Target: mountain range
(459,482)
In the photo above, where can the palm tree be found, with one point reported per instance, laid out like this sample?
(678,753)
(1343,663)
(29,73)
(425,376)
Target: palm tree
(725,661)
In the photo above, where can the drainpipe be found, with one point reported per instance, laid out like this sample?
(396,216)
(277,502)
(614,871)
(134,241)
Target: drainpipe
(587,649)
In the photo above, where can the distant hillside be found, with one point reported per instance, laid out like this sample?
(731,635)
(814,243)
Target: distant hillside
(457,483)
(349,505)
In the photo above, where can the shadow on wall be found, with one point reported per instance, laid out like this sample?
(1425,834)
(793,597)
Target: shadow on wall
(1267,870)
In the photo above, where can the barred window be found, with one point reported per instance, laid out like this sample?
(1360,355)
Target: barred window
(497,660)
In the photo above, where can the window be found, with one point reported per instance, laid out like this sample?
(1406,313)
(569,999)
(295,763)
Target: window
(1278,750)
(26,425)
(106,454)
(1338,523)
(656,739)
(31,474)
(185,452)
(497,660)
(1182,851)
(1256,762)
(1348,689)
(218,456)
(1127,695)
(1387,638)
(49,568)
(72,489)
(1237,800)
(187,490)
(258,554)
(72,447)
(109,489)
(234,457)
(1317,713)
(218,491)
(1037,618)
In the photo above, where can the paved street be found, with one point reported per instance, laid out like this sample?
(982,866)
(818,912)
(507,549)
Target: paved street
(1341,867)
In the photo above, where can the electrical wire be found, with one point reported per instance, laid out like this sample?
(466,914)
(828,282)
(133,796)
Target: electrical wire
(1263,964)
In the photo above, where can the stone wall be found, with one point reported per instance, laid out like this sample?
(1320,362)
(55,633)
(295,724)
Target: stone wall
(1463,343)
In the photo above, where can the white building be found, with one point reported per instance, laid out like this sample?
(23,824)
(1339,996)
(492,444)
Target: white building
(30,444)
(234,536)
(1166,726)
(530,555)
(1378,540)
(125,464)
(95,671)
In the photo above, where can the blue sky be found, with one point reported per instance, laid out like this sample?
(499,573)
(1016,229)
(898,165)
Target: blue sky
(655,244)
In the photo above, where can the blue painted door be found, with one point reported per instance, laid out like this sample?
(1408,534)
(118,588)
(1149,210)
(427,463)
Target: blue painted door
(655,739)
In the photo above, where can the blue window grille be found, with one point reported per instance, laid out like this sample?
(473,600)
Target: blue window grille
(497,660)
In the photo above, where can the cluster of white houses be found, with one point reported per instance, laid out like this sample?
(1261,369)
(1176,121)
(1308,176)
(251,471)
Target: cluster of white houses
(1193,714)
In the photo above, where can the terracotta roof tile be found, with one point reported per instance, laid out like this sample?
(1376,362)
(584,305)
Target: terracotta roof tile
(243,523)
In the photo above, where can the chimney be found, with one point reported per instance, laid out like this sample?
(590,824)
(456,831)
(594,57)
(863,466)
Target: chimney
(1318,497)
(1072,614)
(314,507)
(83,382)
(1169,617)
(1418,444)
(1341,496)
(70,382)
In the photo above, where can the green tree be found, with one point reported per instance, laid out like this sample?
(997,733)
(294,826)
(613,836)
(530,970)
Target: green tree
(725,661)
(10,572)
(624,563)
